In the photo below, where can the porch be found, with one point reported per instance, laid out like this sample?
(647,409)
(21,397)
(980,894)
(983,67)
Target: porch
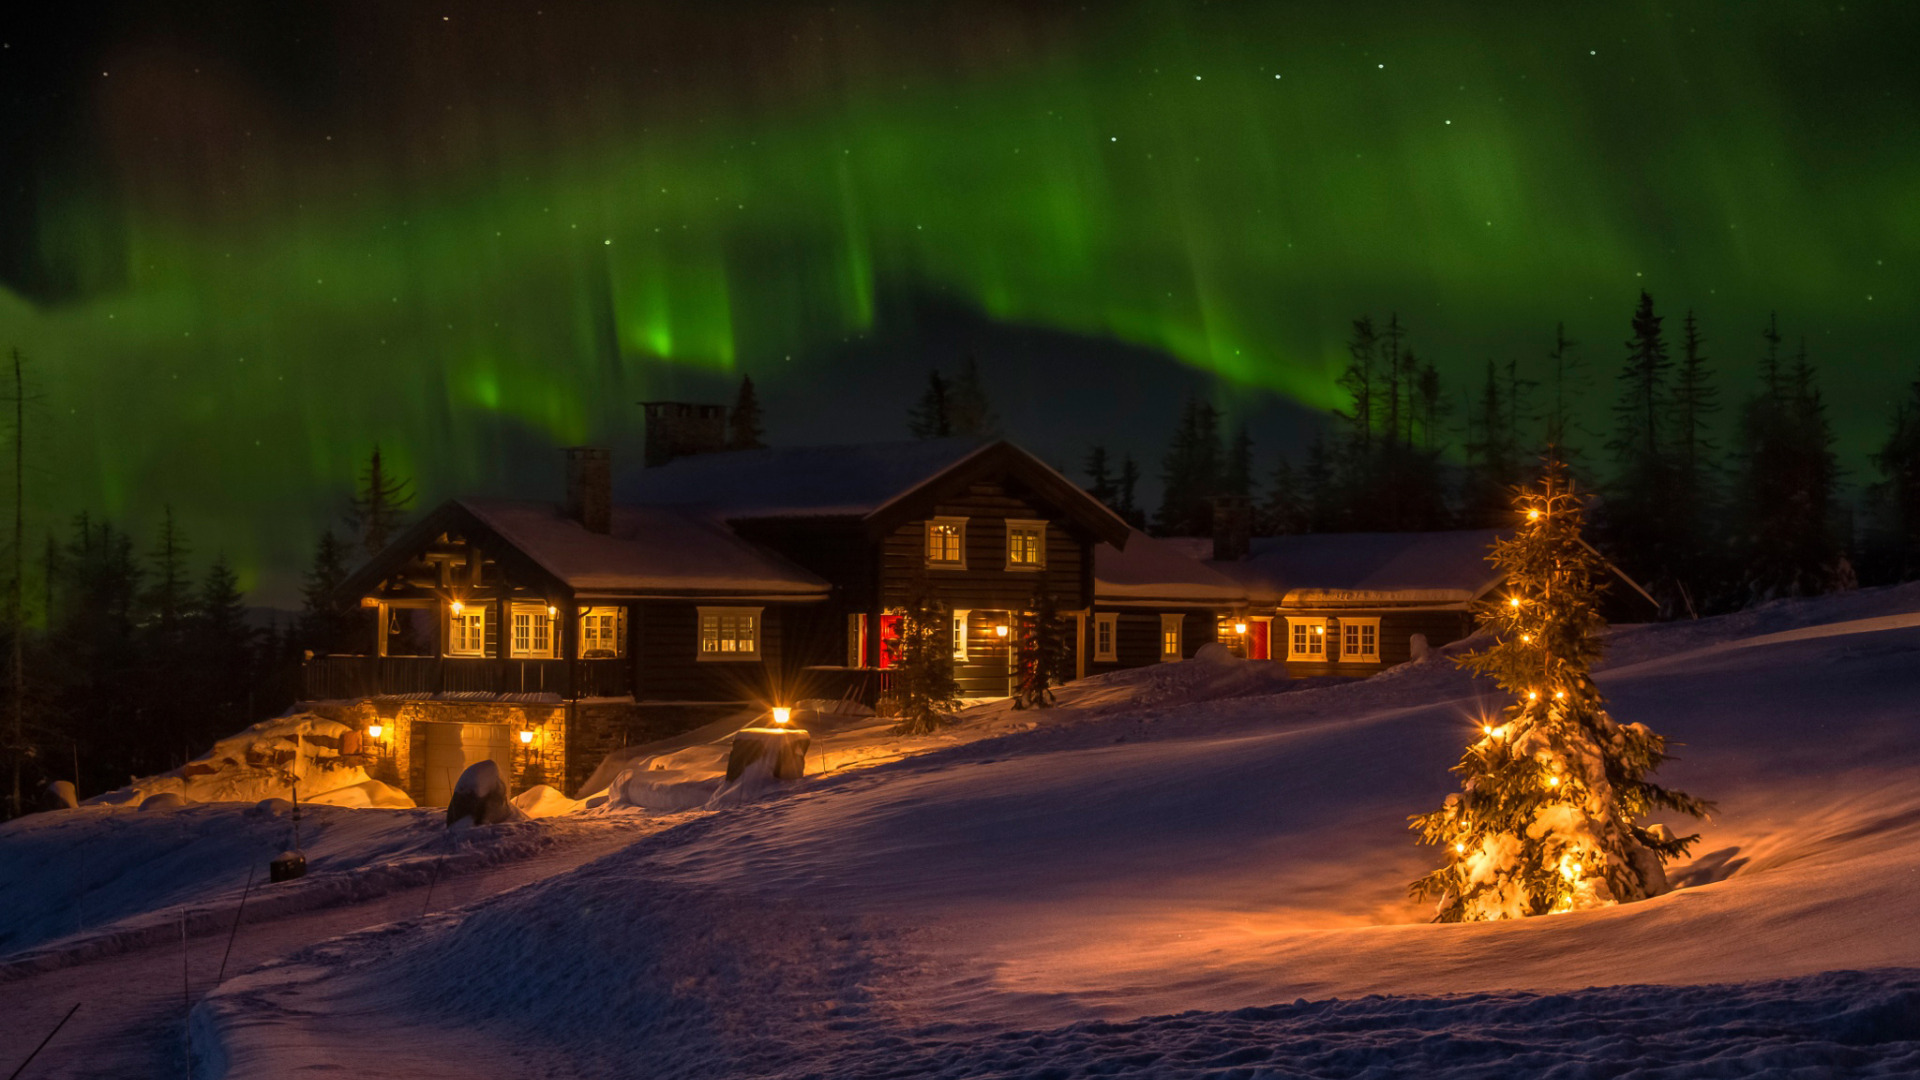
(341,678)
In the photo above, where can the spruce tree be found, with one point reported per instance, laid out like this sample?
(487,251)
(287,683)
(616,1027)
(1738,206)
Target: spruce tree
(1320,489)
(1898,492)
(744,423)
(921,645)
(1358,381)
(1046,653)
(930,417)
(223,647)
(330,622)
(1788,475)
(1100,477)
(1128,486)
(1555,793)
(1694,495)
(968,410)
(1236,476)
(1640,521)
(1567,375)
(1492,463)
(1285,511)
(379,506)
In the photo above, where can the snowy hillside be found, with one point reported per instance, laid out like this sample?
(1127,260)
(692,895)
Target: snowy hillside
(1227,856)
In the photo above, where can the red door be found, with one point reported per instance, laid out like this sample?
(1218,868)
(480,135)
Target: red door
(889,633)
(1257,639)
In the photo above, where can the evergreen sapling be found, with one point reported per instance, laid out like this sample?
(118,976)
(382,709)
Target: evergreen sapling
(1554,794)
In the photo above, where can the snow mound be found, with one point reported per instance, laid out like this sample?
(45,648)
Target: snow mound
(270,759)
(544,801)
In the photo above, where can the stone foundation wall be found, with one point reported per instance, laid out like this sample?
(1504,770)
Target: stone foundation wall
(601,727)
(400,756)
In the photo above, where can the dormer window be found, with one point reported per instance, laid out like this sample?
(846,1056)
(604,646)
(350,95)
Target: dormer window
(947,542)
(1026,544)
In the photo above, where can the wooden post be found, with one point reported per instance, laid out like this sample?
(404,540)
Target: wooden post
(385,615)
(1079,644)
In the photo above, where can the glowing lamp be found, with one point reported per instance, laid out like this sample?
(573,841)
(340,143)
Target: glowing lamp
(457,607)
(1000,631)
(374,730)
(782,714)
(552,611)
(1553,781)
(1486,729)
(1533,695)
(1319,629)
(1558,694)
(1533,515)
(1526,637)
(1239,628)
(1513,601)
(1460,849)
(526,735)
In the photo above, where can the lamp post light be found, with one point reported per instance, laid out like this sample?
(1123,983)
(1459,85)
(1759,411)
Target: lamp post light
(782,715)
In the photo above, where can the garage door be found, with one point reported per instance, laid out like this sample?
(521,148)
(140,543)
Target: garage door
(450,748)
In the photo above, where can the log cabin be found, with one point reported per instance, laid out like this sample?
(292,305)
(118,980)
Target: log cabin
(545,635)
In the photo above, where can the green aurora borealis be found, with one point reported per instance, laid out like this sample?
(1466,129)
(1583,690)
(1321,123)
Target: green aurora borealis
(469,232)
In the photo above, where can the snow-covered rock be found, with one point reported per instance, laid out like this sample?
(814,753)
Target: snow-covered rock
(480,797)
(59,795)
(301,754)
(544,801)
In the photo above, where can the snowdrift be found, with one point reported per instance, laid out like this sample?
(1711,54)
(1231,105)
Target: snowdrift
(269,760)
(1015,904)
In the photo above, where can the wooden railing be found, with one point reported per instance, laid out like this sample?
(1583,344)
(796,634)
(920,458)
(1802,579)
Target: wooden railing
(331,678)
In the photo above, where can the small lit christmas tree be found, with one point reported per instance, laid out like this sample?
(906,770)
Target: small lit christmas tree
(1554,792)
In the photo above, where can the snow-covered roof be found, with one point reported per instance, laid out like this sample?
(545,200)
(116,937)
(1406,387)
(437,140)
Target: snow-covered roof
(1157,570)
(795,481)
(1429,567)
(650,549)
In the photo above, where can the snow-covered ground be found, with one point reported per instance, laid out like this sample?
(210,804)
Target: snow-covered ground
(1178,872)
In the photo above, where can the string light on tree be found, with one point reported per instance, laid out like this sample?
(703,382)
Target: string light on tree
(1551,813)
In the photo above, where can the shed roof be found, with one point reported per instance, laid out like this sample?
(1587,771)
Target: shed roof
(1153,570)
(1427,567)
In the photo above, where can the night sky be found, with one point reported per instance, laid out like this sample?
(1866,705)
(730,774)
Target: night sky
(241,242)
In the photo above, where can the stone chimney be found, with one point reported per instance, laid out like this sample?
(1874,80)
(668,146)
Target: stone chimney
(590,487)
(682,428)
(1232,527)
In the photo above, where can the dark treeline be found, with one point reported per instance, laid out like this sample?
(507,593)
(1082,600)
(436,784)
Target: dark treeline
(139,663)
(1711,507)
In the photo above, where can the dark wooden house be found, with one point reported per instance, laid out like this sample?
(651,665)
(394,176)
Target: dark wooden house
(545,635)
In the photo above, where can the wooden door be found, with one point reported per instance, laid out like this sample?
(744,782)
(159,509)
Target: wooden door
(1259,645)
(451,747)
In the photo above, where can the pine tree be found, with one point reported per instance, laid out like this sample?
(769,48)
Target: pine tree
(377,509)
(1358,382)
(1100,477)
(166,596)
(1129,506)
(1190,473)
(1898,492)
(223,647)
(968,410)
(1567,374)
(1555,793)
(1492,464)
(744,423)
(1433,407)
(1285,511)
(1788,475)
(930,418)
(1695,497)
(1320,490)
(329,622)
(1046,653)
(1640,521)
(1236,476)
(921,645)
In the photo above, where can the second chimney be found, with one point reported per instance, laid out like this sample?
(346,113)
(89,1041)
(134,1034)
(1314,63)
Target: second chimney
(590,487)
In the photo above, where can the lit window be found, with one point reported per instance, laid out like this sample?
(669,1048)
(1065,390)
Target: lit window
(1360,640)
(467,630)
(603,633)
(1105,634)
(533,631)
(960,634)
(1026,544)
(947,542)
(1306,639)
(729,633)
(1170,637)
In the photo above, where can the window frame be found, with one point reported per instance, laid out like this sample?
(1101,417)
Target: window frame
(1355,656)
(1296,623)
(468,613)
(961,634)
(538,615)
(926,543)
(1176,625)
(1039,527)
(618,613)
(1109,621)
(719,656)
